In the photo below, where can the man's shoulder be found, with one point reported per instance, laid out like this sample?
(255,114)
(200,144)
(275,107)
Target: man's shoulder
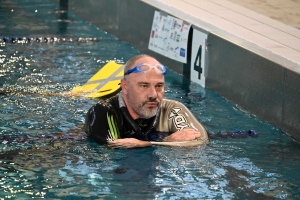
(169,102)
(112,101)
(104,106)
(169,105)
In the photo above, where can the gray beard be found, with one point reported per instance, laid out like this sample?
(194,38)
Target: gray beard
(141,110)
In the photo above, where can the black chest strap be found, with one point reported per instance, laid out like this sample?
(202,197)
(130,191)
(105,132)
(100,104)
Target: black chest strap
(135,127)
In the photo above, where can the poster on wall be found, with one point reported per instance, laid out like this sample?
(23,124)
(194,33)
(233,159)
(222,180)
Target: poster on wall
(169,36)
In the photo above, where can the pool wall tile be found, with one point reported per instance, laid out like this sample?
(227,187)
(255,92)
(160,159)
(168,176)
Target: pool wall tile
(254,83)
(291,107)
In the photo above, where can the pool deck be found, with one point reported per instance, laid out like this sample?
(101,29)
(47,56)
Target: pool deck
(248,24)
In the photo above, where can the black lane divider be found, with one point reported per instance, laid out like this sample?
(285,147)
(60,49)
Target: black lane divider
(233,134)
(22,40)
(5,92)
(42,138)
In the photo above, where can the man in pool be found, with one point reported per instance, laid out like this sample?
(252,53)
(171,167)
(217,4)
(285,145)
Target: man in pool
(139,115)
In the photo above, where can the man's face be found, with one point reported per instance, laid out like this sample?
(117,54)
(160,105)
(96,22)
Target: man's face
(144,91)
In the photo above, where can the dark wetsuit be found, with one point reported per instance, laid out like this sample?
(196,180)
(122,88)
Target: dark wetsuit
(109,120)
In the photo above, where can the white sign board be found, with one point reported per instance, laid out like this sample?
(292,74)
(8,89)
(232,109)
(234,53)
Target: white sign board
(169,36)
(199,55)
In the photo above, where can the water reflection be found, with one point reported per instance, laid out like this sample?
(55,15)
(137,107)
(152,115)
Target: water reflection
(253,168)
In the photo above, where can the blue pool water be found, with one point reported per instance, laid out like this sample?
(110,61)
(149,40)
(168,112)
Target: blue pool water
(266,167)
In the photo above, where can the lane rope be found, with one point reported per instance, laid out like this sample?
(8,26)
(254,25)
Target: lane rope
(24,40)
(42,138)
(233,134)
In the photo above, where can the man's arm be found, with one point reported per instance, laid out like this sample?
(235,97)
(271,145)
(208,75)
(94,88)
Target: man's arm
(183,135)
(129,143)
(176,118)
(183,125)
(101,125)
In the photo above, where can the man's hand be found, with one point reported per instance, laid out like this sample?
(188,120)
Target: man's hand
(129,143)
(183,135)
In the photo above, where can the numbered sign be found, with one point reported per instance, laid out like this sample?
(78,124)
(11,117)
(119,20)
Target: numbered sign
(199,57)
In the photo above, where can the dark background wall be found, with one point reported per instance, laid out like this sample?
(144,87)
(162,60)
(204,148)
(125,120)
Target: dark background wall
(255,83)
(129,20)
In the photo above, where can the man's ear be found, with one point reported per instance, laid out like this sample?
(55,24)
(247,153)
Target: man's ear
(124,86)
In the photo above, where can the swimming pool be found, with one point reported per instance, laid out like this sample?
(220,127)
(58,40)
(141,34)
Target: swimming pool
(251,168)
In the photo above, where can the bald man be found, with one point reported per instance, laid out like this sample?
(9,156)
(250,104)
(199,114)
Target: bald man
(139,115)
